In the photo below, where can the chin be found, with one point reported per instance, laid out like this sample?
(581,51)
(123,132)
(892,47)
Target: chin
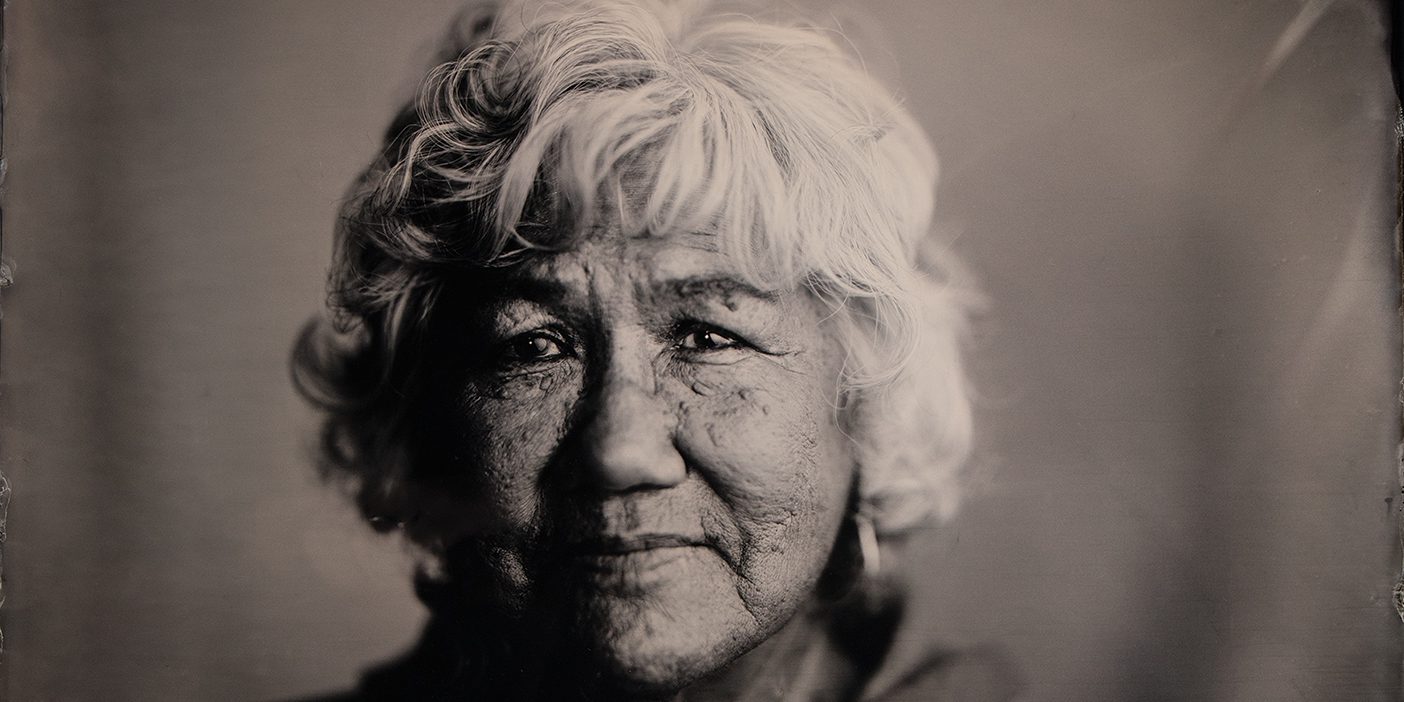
(649,648)
(655,666)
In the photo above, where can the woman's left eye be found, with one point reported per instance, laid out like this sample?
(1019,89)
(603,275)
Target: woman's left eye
(706,339)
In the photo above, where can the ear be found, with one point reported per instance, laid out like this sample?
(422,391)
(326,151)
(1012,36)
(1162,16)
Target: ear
(384,501)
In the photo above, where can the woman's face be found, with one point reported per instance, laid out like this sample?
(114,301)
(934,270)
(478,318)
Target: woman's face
(650,458)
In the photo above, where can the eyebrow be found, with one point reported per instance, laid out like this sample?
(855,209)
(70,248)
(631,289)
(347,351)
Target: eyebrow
(720,286)
(543,291)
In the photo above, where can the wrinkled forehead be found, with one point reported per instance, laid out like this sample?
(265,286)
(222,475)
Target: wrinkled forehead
(644,264)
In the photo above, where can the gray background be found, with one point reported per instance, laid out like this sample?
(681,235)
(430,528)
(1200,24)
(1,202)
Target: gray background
(1181,212)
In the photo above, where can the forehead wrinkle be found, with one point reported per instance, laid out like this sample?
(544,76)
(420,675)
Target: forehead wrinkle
(721,286)
(542,291)
(549,281)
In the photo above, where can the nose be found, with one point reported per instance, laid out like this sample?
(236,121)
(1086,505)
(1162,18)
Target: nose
(626,443)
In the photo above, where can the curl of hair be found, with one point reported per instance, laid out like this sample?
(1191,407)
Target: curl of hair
(767,133)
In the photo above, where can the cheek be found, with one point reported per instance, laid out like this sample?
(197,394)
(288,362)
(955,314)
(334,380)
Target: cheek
(764,438)
(509,431)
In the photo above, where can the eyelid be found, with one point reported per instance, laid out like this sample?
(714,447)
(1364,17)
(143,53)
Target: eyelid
(563,341)
(550,335)
(686,328)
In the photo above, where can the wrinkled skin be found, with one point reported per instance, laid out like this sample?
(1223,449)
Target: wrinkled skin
(650,461)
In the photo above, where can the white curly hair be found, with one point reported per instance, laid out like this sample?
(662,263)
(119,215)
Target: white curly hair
(768,132)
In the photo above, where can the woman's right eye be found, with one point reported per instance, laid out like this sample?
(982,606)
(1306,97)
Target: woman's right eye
(535,347)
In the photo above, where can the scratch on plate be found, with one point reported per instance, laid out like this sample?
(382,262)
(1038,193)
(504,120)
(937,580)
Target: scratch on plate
(4,511)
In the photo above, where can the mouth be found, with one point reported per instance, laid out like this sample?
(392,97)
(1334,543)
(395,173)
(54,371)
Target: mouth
(625,545)
(632,557)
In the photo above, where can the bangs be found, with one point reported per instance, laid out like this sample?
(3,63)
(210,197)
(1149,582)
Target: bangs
(665,159)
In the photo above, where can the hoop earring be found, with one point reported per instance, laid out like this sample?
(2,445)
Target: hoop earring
(868,547)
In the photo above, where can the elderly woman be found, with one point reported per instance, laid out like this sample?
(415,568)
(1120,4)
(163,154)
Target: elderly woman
(638,340)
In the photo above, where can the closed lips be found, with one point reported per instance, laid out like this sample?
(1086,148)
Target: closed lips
(620,545)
